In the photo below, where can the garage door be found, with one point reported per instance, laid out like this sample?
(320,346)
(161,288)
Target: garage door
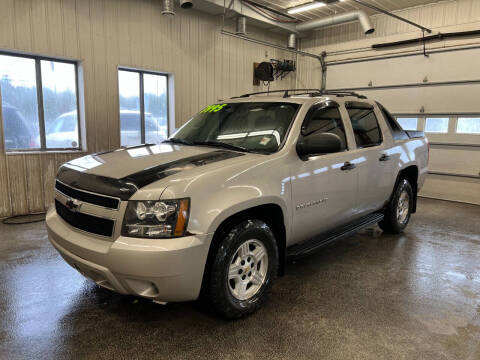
(438,94)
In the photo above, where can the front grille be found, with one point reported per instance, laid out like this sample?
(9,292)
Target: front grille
(88,197)
(88,223)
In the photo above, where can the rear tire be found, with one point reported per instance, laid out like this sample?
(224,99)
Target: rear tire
(397,214)
(243,270)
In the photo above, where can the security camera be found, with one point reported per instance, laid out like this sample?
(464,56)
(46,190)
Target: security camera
(186,4)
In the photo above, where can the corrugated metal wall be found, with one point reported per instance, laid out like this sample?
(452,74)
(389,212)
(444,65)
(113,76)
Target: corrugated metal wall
(104,34)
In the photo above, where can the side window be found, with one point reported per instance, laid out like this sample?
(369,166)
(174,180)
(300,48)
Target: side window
(365,126)
(325,119)
(395,128)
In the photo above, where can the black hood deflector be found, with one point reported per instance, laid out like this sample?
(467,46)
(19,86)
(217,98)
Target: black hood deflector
(125,187)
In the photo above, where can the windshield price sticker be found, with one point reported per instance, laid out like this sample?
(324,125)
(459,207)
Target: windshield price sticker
(213,108)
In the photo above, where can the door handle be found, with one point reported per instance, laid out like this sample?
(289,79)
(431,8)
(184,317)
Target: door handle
(348,166)
(384,157)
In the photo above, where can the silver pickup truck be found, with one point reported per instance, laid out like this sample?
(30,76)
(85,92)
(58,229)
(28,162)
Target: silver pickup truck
(215,211)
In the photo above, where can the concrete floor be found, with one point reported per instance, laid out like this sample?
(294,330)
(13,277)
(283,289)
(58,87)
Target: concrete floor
(371,296)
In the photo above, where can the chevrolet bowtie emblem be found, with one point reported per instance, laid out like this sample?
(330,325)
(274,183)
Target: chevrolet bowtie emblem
(73,205)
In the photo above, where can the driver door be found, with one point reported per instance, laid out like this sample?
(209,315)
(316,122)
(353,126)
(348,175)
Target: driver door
(324,187)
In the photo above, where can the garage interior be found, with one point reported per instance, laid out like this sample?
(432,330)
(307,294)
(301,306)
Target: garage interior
(369,296)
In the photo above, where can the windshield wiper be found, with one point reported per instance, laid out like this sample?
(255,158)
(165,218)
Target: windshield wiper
(221,144)
(210,143)
(178,141)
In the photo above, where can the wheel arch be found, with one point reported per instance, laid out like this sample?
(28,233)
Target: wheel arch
(270,213)
(409,173)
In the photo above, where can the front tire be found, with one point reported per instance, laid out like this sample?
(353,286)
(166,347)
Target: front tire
(397,214)
(244,267)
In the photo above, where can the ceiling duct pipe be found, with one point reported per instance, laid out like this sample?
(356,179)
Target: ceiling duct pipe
(243,8)
(186,4)
(359,15)
(241,28)
(168,7)
(292,41)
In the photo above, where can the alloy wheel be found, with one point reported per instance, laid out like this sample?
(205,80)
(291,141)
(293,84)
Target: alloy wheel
(248,269)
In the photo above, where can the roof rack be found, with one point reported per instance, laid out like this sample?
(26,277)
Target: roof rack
(311,92)
(343,93)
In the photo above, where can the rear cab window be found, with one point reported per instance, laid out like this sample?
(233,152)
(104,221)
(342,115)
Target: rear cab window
(397,132)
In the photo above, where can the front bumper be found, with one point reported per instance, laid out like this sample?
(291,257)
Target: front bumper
(160,269)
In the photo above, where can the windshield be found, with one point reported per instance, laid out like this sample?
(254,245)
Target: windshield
(255,127)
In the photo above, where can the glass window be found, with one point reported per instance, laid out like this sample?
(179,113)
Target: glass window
(69,122)
(60,104)
(18,82)
(365,127)
(325,119)
(143,107)
(436,125)
(130,115)
(156,109)
(408,123)
(258,127)
(468,125)
(27,125)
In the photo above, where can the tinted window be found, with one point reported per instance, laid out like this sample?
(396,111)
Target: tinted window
(365,127)
(327,120)
(395,128)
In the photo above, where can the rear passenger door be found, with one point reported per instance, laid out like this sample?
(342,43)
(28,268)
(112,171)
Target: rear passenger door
(371,158)
(324,187)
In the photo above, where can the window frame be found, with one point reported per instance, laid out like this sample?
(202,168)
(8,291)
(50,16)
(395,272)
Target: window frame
(41,110)
(142,72)
(325,104)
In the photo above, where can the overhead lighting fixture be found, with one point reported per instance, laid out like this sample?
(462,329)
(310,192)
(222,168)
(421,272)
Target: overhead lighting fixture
(306,7)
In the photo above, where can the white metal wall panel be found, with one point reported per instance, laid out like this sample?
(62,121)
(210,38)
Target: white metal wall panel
(452,188)
(462,160)
(438,67)
(439,99)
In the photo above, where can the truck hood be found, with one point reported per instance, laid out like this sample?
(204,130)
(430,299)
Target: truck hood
(122,172)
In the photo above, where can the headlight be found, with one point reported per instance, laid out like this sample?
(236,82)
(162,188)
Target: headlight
(156,219)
